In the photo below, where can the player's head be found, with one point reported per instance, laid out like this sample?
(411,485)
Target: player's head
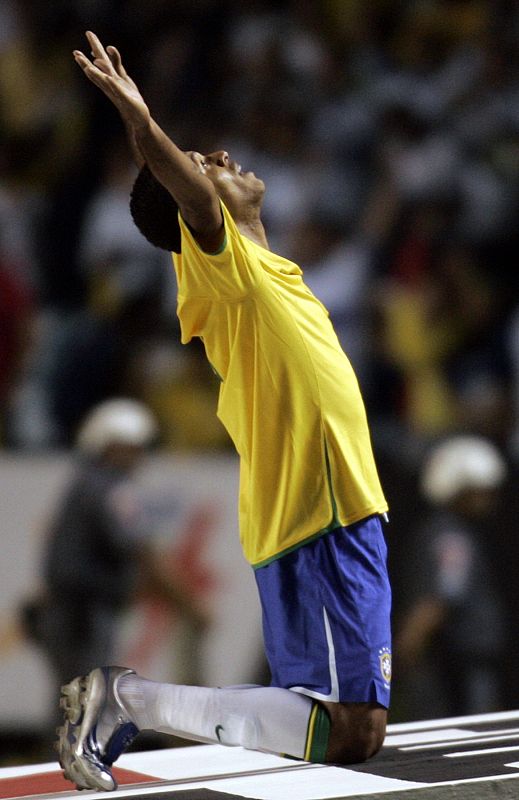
(240,191)
(155,212)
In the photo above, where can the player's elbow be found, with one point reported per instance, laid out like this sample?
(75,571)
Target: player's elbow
(203,215)
(206,227)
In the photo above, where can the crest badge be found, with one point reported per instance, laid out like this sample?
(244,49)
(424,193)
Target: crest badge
(384,657)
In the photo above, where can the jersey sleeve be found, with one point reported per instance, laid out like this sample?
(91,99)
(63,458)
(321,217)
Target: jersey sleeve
(230,274)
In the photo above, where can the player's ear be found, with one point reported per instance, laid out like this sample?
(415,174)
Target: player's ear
(155,212)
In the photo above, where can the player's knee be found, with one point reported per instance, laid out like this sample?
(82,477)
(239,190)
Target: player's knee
(357,734)
(359,746)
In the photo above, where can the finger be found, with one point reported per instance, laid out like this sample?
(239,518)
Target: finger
(93,73)
(97,48)
(81,59)
(95,43)
(85,62)
(98,51)
(115,58)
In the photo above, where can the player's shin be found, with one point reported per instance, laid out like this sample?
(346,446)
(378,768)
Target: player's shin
(267,719)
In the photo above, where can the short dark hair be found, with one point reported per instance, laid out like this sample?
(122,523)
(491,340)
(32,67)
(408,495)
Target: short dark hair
(155,212)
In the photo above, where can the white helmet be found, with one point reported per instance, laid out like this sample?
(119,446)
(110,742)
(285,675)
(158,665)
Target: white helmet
(463,462)
(117,421)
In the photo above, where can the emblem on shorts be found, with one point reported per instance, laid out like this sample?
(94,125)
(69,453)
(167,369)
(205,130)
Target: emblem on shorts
(384,656)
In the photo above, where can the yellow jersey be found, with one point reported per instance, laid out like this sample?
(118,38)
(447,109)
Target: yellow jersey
(288,397)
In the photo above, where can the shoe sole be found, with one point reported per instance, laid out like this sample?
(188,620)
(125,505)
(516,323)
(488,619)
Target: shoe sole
(77,765)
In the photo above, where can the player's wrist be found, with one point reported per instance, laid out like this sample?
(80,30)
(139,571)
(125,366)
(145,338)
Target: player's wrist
(140,122)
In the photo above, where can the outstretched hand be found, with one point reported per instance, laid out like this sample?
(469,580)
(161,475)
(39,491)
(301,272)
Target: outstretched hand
(107,72)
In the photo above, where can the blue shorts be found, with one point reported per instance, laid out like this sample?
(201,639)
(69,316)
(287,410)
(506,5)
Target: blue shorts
(326,616)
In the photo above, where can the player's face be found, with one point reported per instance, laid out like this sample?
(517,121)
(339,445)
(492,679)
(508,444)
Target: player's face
(238,189)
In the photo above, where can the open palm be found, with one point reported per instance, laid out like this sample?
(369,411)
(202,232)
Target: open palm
(106,71)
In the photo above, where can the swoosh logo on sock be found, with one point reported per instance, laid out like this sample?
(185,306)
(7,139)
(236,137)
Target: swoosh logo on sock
(217,731)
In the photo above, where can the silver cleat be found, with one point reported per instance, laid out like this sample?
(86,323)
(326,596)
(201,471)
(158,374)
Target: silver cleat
(96,729)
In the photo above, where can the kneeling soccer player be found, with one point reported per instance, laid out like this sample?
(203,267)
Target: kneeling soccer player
(310,499)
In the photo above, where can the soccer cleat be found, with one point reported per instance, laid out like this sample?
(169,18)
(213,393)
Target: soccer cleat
(97,728)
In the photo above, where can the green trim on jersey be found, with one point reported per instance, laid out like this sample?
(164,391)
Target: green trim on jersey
(220,249)
(294,547)
(335,523)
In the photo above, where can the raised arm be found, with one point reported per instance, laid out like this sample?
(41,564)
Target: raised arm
(179,173)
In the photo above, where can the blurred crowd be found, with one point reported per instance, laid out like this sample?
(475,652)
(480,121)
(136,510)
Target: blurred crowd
(387,133)
(388,136)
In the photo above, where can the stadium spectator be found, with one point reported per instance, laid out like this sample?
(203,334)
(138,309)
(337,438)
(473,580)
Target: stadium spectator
(99,551)
(453,637)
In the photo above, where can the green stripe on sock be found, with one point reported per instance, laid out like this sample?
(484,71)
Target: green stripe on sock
(320,734)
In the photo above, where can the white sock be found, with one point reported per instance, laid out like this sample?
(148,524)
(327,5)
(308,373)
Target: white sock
(259,718)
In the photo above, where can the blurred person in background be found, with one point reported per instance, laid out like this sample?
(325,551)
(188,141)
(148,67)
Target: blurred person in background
(452,639)
(99,553)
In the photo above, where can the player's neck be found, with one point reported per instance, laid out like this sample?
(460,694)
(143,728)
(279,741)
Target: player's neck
(252,227)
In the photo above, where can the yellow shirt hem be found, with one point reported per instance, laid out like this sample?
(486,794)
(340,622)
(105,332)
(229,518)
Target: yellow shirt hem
(329,528)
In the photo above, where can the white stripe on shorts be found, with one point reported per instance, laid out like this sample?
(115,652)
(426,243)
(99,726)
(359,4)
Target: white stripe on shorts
(333,697)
